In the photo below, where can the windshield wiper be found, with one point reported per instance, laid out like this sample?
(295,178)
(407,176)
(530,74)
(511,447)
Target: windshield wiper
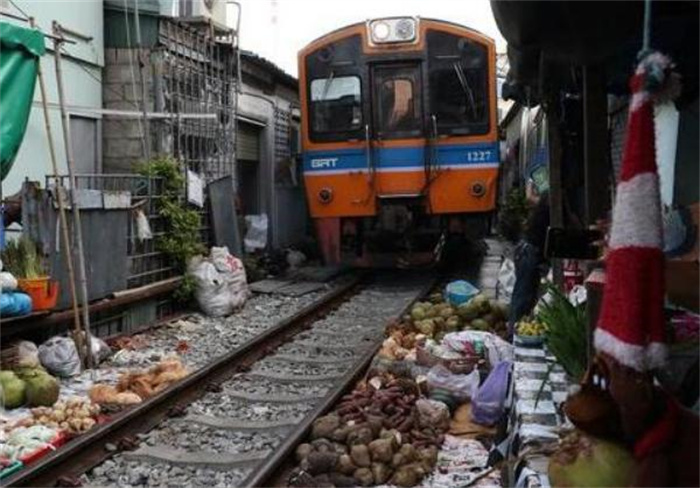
(327,85)
(465,87)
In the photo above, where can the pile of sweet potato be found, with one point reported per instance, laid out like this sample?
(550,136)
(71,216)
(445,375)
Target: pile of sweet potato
(374,436)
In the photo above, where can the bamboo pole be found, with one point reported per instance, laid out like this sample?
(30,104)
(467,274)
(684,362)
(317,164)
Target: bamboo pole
(144,89)
(78,251)
(77,336)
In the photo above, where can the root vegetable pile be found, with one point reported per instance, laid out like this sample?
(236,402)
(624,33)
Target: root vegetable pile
(374,436)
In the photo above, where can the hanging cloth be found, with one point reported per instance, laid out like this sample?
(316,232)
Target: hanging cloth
(20,51)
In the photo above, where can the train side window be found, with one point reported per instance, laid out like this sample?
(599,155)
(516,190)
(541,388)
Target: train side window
(336,104)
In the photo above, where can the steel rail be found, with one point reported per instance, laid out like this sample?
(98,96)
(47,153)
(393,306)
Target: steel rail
(65,465)
(271,471)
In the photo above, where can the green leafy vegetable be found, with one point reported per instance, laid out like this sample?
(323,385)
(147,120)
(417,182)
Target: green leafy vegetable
(566,336)
(22,258)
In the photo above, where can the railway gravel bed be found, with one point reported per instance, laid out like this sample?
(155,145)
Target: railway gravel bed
(227,432)
(197,339)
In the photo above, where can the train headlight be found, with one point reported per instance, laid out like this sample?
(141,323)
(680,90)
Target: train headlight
(478,189)
(393,30)
(325,195)
(380,31)
(406,29)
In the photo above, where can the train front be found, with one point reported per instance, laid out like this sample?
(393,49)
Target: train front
(399,139)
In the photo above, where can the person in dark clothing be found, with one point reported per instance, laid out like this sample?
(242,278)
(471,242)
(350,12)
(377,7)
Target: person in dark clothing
(529,258)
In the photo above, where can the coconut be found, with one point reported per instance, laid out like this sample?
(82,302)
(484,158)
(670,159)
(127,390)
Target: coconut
(13,389)
(418,313)
(435,297)
(582,460)
(490,319)
(479,324)
(42,388)
(468,311)
(453,323)
(500,310)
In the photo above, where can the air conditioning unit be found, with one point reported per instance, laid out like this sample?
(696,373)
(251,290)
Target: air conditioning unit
(214,10)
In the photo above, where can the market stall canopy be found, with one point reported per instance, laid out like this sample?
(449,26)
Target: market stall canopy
(20,50)
(554,36)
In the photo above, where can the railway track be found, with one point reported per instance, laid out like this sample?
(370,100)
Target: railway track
(235,421)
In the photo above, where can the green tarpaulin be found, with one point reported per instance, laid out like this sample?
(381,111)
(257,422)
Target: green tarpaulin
(20,50)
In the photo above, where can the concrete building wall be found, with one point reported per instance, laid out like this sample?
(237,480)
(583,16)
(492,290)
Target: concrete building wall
(122,137)
(82,77)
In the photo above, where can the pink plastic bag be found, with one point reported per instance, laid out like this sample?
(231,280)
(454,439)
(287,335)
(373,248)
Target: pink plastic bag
(488,403)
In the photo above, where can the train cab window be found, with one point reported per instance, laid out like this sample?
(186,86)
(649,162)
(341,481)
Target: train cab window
(397,108)
(336,104)
(459,90)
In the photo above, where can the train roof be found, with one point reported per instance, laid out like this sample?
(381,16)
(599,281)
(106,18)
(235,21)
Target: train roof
(356,24)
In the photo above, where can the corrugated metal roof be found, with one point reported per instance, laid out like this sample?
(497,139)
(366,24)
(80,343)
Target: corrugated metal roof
(278,72)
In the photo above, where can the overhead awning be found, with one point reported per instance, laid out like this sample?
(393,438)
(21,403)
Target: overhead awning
(549,38)
(20,50)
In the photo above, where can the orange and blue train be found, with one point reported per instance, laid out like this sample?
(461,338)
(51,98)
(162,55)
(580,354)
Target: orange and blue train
(399,138)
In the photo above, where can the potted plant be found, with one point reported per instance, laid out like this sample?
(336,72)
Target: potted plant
(22,258)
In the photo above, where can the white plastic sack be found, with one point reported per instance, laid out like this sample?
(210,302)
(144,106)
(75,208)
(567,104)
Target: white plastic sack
(295,258)
(143,227)
(461,386)
(506,280)
(497,349)
(578,295)
(100,349)
(221,282)
(7,281)
(60,357)
(256,236)
(27,354)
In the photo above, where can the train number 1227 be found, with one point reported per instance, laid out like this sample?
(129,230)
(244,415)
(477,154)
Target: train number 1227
(478,156)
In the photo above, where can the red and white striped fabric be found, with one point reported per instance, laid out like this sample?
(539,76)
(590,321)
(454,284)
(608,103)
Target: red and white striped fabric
(631,326)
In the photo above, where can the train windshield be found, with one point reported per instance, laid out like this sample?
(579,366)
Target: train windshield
(398,107)
(336,104)
(459,93)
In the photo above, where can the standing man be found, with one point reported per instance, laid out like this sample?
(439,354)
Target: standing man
(529,256)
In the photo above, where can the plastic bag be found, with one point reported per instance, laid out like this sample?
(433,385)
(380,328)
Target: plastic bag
(13,304)
(506,280)
(459,292)
(256,236)
(143,227)
(60,357)
(295,258)
(221,282)
(578,295)
(497,349)
(461,386)
(24,441)
(27,354)
(100,349)
(434,414)
(7,281)
(488,403)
